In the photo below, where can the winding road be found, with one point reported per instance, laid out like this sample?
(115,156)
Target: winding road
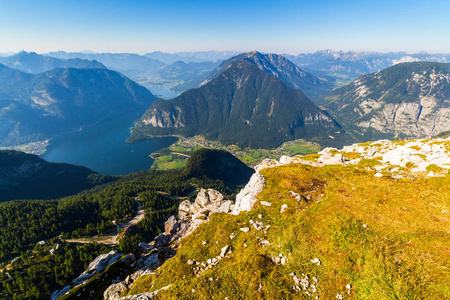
(113,237)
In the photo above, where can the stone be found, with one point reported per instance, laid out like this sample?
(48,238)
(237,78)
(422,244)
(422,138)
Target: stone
(316,261)
(247,196)
(114,290)
(328,159)
(100,263)
(245,229)
(206,196)
(171,225)
(224,250)
(265,203)
(60,293)
(144,247)
(184,209)
(283,208)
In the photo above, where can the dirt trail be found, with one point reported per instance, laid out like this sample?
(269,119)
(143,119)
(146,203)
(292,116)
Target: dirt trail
(113,237)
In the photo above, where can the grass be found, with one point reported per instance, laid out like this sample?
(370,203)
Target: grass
(388,238)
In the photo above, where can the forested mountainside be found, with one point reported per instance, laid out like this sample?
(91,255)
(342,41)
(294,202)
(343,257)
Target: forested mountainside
(243,105)
(41,106)
(92,216)
(26,176)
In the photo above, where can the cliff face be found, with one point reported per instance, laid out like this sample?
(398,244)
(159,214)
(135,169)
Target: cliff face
(409,100)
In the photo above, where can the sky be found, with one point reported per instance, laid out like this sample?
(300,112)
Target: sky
(278,26)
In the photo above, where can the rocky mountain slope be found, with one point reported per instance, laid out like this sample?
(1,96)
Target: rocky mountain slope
(406,100)
(35,63)
(37,107)
(243,105)
(369,221)
(26,176)
(282,68)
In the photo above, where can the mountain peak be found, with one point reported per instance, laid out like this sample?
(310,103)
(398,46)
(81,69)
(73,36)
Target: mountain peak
(282,68)
(243,105)
(251,53)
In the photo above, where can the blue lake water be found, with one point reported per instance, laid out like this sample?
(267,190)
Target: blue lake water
(163,92)
(102,147)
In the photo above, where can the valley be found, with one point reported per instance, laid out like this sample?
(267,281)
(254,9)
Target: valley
(177,154)
(234,172)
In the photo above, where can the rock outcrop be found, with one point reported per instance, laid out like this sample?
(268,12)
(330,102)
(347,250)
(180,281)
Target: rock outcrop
(154,254)
(208,201)
(428,157)
(97,266)
(247,196)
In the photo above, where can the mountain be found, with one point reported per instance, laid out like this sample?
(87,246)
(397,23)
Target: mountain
(282,68)
(181,76)
(128,63)
(41,106)
(368,221)
(445,134)
(405,100)
(243,105)
(348,65)
(35,63)
(26,176)
(199,56)
(217,165)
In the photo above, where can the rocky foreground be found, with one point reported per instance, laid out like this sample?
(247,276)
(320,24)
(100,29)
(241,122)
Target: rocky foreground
(369,221)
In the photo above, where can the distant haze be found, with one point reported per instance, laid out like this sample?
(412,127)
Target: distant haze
(270,26)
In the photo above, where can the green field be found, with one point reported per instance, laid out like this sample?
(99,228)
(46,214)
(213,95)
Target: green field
(175,156)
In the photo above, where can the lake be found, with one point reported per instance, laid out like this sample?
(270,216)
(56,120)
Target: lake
(102,147)
(163,92)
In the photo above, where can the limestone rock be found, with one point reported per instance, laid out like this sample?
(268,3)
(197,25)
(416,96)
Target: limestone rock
(207,196)
(60,293)
(171,225)
(114,290)
(247,196)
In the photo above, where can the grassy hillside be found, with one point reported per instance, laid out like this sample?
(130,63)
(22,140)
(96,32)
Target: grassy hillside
(351,236)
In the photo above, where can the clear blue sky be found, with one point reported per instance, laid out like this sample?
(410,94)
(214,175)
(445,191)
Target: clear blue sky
(280,26)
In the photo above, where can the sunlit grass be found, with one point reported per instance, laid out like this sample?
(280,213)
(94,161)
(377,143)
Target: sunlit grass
(388,238)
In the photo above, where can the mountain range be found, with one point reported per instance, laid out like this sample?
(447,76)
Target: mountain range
(348,65)
(403,101)
(40,106)
(198,56)
(245,104)
(35,63)
(127,63)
